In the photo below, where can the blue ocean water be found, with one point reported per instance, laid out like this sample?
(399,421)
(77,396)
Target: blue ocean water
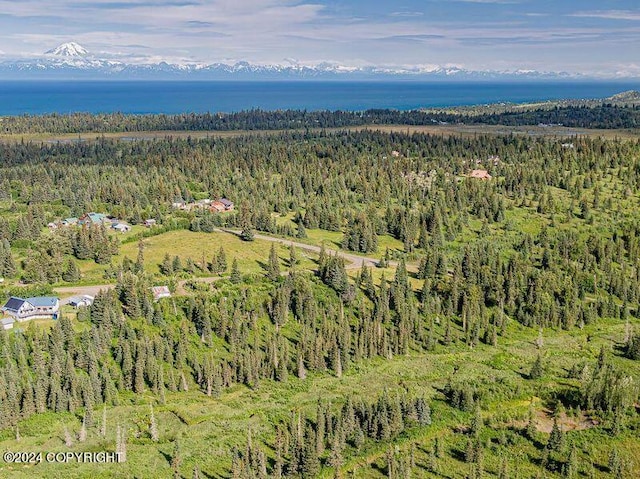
(37,97)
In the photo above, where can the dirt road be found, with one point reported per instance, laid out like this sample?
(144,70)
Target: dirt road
(355,261)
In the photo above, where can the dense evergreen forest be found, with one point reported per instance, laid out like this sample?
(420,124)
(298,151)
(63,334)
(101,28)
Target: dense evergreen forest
(547,248)
(605,115)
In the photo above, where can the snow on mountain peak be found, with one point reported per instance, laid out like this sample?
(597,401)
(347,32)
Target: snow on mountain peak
(71,59)
(70,49)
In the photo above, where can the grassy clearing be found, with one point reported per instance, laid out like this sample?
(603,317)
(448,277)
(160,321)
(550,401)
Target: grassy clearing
(251,256)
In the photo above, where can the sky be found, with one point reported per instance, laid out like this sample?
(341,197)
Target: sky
(592,37)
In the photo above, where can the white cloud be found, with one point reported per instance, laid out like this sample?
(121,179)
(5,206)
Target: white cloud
(405,14)
(609,14)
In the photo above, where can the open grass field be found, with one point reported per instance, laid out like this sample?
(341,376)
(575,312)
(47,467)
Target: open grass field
(251,256)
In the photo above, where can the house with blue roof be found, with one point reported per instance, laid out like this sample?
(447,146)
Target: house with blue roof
(38,307)
(92,218)
(69,221)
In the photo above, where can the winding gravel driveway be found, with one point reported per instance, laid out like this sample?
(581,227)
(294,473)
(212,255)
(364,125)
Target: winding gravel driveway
(355,261)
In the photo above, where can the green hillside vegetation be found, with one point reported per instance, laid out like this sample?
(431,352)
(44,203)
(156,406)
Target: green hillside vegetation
(497,337)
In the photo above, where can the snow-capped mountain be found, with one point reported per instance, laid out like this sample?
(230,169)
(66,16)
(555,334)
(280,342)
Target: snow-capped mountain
(71,49)
(73,61)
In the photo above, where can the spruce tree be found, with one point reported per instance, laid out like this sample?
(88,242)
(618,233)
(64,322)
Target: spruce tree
(71,272)
(310,462)
(247,233)
(222,260)
(236,277)
(293,256)
(82,435)
(176,459)
(301,231)
(68,440)
(571,468)
(103,424)
(615,463)
(7,265)
(531,423)
(153,426)
(476,421)
(139,266)
(176,265)
(633,347)
(556,438)
(273,266)
(166,267)
(537,370)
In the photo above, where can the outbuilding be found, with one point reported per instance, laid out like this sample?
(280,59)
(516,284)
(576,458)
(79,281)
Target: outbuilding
(121,227)
(160,292)
(80,301)
(7,323)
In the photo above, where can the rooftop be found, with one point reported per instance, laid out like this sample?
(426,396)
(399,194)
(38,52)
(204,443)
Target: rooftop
(43,301)
(14,303)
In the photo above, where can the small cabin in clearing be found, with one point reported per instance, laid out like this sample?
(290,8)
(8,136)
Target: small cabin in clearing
(160,292)
(121,227)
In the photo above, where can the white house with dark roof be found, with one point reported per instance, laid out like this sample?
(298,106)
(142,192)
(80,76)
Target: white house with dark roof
(39,307)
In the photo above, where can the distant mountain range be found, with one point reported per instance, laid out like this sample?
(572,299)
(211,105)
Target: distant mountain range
(72,61)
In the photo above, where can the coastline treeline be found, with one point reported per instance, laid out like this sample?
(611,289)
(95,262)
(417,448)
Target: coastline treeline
(603,116)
